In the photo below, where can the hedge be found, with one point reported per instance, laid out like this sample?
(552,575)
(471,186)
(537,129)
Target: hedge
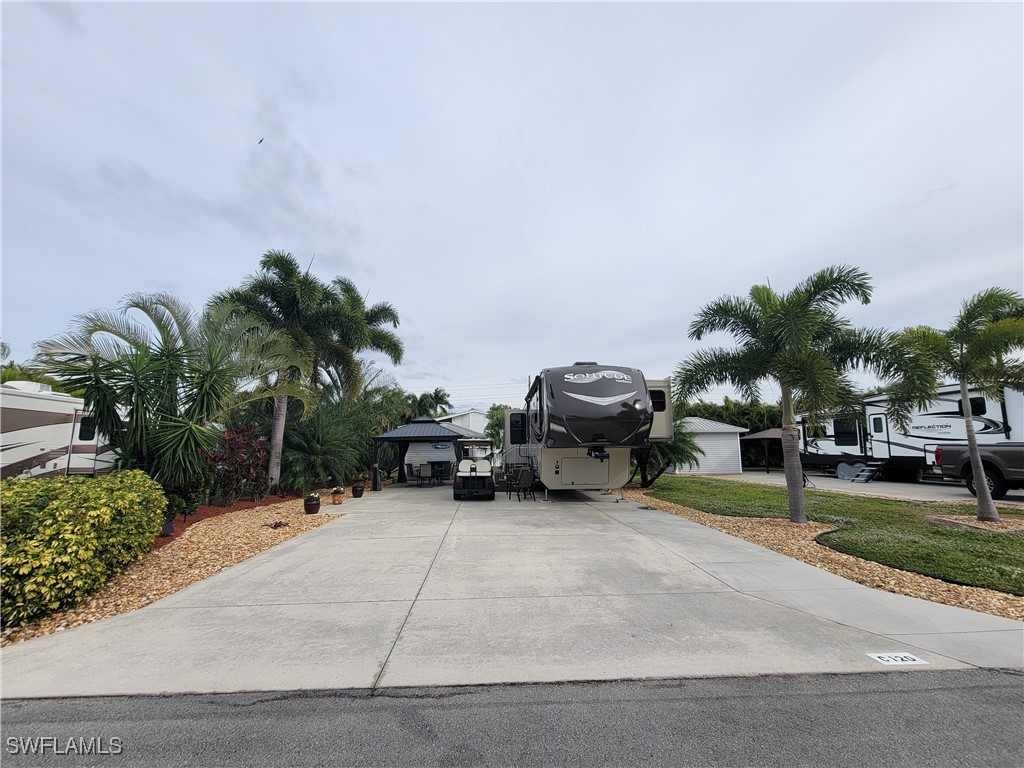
(65,536)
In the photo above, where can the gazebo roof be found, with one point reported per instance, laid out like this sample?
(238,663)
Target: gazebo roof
(419,430)
(768,434)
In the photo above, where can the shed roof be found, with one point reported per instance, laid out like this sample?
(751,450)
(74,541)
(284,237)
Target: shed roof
(699,425)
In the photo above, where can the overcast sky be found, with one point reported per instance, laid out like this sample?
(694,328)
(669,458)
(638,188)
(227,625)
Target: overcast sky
(529,185)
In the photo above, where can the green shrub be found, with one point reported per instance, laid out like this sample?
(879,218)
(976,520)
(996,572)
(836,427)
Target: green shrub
(65,536)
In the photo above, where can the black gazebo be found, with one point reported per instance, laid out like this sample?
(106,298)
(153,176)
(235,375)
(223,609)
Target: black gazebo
(420,430)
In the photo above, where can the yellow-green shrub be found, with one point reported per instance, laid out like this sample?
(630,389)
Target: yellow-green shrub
(65,536)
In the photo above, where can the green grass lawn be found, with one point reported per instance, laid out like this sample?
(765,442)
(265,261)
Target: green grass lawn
(887,531)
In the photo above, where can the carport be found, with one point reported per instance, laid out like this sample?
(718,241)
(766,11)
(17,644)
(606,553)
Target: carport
(765,437)
(421,430)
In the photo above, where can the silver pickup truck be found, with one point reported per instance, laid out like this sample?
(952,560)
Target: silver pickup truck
(1004,465)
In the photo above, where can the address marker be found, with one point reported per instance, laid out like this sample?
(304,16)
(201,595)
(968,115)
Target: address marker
(896,658)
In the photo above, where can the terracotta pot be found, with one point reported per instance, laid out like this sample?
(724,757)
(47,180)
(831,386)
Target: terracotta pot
(337,498)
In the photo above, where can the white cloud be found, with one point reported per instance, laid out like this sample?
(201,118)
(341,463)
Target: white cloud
(560,182)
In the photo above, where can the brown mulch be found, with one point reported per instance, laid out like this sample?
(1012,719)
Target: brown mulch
(220,538)
(205,512)
(800,542)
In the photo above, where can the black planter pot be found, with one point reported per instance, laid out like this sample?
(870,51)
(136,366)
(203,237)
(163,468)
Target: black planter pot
(357,491)
(312,506)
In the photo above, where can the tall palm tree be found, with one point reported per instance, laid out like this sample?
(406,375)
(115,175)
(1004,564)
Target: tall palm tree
(328,325)
(358,328)
(442,401)
(982,349)
(797,341)
(288,300)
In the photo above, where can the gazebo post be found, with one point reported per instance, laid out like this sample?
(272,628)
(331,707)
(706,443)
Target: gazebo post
(767,469)
(375,483)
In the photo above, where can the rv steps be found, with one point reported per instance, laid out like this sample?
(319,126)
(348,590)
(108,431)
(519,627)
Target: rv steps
(868,472)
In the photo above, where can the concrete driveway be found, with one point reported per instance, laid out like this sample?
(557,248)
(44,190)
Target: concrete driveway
(410,588)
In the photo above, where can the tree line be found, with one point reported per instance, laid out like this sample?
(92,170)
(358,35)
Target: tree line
(275,366)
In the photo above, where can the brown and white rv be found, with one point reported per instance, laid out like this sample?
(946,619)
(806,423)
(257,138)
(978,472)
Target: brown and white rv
(582,421)
(48,433)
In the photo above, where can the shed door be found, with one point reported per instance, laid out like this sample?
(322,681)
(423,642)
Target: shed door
(721,455)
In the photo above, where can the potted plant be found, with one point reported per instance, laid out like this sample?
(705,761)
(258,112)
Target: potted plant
(357,489)
(337,494)
(311,503)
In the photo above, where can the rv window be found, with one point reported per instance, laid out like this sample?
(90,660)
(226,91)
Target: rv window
(845,432)
(517,428)
(877,425)
(977,406)
(815,431)
(658,400)
(87,429)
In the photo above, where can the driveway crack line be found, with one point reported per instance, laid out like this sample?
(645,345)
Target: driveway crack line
(376,680)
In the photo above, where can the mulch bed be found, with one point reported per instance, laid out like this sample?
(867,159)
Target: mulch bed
(206,512)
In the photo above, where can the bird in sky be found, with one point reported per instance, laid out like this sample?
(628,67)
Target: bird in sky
(260,141)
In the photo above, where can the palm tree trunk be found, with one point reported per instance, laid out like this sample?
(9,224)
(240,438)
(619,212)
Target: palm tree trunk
(277,441)
(791,459)
(986,507)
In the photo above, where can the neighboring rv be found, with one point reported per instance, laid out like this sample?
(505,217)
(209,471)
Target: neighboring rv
(848,446)
(581,422)
(48,433)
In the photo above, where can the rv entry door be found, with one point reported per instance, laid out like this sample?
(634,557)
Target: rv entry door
(878,429)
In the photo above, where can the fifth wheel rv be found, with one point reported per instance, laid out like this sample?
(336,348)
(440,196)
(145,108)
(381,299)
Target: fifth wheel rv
(48,433)
(849,446)
(581,422)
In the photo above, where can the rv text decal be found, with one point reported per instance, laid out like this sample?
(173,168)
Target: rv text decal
(587,378)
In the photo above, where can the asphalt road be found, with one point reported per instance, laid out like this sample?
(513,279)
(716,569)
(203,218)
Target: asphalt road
(935,718)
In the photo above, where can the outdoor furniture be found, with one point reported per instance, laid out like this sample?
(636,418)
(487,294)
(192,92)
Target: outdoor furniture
(424,476)
(522,483)
(439,470)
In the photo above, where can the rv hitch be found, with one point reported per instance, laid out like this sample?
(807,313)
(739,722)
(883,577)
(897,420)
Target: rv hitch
(597,453)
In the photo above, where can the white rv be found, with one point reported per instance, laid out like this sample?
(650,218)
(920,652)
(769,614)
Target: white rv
(48,433)
(848,446)
(581,422)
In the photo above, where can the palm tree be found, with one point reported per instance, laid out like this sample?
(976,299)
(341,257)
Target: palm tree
(327,325)
(288,301)
(358,328)
(429,404)
(442,402)
(981,348)
(797,341)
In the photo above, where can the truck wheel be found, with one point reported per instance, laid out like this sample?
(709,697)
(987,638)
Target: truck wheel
(996,484)
(457,496)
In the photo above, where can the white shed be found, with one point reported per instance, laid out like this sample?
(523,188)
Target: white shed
(720,443)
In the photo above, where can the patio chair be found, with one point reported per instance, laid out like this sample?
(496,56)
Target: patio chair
(424,475)
(522,483)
